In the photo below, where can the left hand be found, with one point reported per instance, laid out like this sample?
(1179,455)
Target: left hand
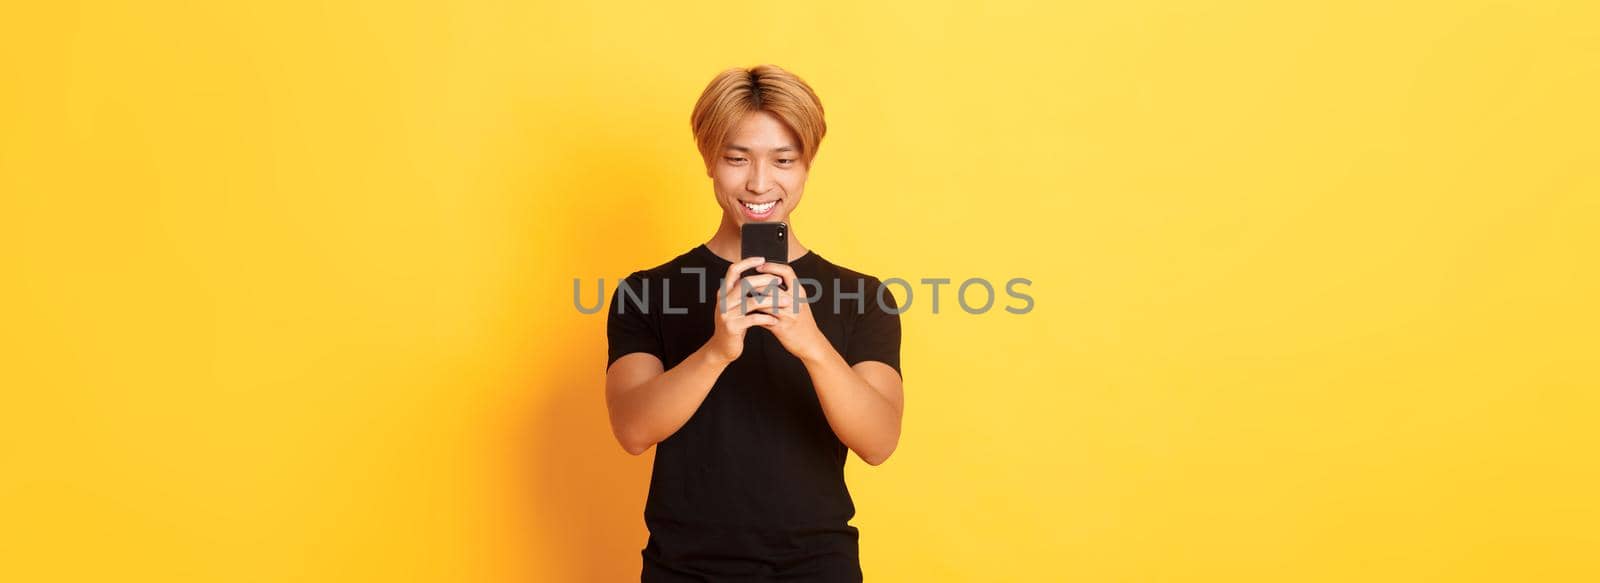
(795,328)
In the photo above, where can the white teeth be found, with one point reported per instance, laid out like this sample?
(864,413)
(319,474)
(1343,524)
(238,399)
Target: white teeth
(760,208)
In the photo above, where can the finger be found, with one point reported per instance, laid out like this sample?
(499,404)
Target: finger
(752,285)
(782,302)
(764,304)
(758,319)
(732,300)
(784,307)
(731,279)
(781,270)
(772,296)
(762,280)
(737,303)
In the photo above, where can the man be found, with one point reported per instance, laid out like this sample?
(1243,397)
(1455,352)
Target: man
(752,394)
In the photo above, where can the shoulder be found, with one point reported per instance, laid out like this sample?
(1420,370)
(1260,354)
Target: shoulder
(849,277)
(857,286)
(668,268)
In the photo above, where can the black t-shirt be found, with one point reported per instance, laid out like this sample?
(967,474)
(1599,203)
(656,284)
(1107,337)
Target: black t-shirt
(753,483)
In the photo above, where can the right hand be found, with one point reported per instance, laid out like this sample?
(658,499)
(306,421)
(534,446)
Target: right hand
(733,317)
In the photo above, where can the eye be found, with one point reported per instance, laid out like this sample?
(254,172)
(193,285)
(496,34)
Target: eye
(733,159)
(786,160)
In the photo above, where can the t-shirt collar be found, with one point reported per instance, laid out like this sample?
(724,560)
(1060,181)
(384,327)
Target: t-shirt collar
(705,251)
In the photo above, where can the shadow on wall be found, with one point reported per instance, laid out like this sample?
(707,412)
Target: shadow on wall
(584,495)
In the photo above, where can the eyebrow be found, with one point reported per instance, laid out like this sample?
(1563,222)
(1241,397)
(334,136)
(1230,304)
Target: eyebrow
(747,149)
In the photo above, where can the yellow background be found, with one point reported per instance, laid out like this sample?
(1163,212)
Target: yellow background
(287,285)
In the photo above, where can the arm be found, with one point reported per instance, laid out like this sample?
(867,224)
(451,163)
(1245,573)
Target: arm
(648,405)
(864,403)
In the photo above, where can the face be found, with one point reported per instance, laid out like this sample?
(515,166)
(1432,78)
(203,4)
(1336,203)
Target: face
(759,175)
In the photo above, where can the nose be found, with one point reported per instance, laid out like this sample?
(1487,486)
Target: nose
(759,181)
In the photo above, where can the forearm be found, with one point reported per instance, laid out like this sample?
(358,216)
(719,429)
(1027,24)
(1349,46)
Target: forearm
(652,411)
(864,419)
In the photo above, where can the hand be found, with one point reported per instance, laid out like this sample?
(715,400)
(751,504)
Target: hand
(793,324)
(734,316)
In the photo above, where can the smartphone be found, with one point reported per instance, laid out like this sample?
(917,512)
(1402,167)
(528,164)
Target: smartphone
(769,240)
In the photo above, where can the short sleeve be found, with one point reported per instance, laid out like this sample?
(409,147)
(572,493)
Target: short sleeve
(630,326)
(876,333)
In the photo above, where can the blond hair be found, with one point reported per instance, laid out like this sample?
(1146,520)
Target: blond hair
(735,93)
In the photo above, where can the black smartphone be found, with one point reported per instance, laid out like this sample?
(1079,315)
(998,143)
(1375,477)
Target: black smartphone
(769,240)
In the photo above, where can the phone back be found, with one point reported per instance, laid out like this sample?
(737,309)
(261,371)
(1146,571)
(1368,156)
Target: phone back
(769,240)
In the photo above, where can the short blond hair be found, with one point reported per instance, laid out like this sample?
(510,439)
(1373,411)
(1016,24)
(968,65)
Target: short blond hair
(735,93)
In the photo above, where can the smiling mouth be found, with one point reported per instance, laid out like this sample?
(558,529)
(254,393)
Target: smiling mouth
(761,209)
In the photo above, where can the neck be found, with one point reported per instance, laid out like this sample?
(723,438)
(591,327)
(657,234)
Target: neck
(725,243)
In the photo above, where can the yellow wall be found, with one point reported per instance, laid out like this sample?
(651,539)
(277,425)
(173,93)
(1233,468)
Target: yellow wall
(287,286)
